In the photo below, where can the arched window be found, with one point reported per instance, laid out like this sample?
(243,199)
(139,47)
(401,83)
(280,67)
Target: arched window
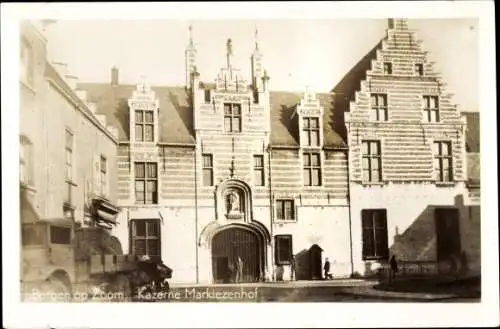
(26,161)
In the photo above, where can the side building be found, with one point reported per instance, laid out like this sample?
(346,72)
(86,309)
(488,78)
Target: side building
(227,174)
(68,155)
(408,178)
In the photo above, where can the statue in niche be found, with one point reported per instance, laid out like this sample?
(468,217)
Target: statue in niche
(233,202)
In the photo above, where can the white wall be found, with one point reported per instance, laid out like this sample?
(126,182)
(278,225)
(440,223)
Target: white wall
(410,213)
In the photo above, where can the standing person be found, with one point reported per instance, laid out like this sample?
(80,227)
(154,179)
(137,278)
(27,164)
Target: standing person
(239,270)
(326,268)
(394,267)
(292,268)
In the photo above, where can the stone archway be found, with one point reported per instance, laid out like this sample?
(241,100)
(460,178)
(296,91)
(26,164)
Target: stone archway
(237,242)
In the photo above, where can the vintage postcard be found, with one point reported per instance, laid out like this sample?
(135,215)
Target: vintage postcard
(247,157)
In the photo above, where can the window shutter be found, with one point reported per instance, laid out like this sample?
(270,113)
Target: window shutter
(96,172)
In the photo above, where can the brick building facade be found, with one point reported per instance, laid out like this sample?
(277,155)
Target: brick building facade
(211,172)
(407,159)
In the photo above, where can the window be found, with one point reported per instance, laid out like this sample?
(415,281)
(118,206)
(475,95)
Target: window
(69,140)
(372,168)
(387,68)
(442,161)
(104,180)
(60,235)
(379,107)
(285,210)
(145,238)
(258,170)
(208,170)
(26,161)
(144,125)
(312,169)
(431,108)
(419,69)
(207,96)
(146,183)
(283,249)
(69,155)
(375,245)
(310,131)
(232,117)
(26,62)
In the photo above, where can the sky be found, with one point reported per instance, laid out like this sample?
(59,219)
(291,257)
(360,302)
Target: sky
(296,53)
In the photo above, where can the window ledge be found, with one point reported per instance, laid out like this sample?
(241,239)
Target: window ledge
(445,184)
(68,206)
(373,183)
(141,205)
(28,186)
(69,181)
(285,221)
(27,85)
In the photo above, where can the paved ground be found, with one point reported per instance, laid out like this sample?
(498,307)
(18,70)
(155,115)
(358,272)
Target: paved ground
(403,290)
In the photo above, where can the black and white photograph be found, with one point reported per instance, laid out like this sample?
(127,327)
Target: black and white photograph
(245,161)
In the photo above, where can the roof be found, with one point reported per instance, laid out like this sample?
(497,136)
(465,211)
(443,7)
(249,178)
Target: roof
(176,117)
(52,74)
(284,125)
(474,168)
(472,137)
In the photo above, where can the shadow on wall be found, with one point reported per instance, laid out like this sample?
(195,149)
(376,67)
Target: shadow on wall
(184,109)
(289,120)
(419,242)
(122,114)
(309,263)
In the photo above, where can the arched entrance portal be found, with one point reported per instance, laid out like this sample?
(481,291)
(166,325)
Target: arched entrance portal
(234,242)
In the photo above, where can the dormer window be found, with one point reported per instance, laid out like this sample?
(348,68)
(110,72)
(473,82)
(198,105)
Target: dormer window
(144,125)
(232,117)
(387,68)
(310,131)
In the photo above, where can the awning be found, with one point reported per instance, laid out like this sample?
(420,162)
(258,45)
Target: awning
(105,211)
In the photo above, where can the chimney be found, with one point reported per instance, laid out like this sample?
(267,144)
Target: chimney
(71,80)
(82,94)
(92,107)
(114,76)
(61,68)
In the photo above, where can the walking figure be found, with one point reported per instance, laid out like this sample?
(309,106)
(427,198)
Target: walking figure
(239,270)
(326,268)
(292,268)
(394,267)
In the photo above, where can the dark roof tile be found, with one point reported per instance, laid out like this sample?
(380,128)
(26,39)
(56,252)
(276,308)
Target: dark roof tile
(176,118)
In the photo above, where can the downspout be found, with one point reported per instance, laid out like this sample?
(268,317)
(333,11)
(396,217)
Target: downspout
(271,212)
(349,205)
(196,211)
